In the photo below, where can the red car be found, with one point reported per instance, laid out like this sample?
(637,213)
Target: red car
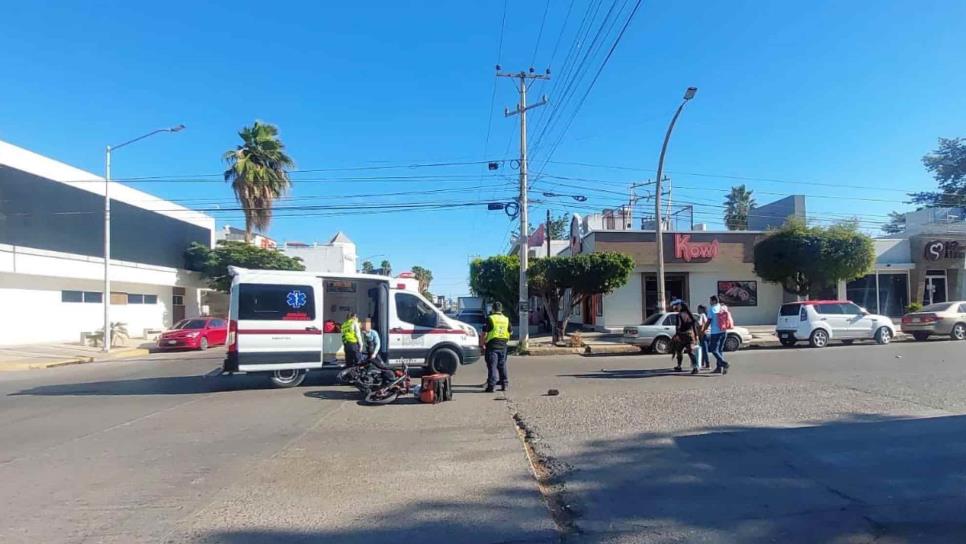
(197,333)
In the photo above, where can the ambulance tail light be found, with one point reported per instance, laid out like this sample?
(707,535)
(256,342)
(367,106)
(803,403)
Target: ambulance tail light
(232,336)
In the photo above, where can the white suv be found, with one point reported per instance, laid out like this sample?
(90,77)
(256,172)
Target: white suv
(820,321)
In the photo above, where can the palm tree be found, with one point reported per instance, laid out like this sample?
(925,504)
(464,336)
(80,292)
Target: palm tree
(737,206)
(257,171)
(368,267)
(386,268)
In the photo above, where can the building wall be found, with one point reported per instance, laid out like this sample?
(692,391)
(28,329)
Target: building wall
(44,214)
(777,213)
(703,284)
(623,306)
(325,258)
(39,314)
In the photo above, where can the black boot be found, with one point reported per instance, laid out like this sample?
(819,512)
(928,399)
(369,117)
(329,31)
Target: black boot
(504,386)
(489,389)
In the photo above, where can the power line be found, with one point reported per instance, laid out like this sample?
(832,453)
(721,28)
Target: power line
(543,21)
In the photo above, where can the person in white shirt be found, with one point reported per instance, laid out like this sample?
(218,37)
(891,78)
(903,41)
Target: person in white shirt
(717,335)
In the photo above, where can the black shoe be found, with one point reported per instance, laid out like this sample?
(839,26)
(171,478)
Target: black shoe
(504,386)
(724,370)
(694,371)
(677,369)
(717,370)
(489,389)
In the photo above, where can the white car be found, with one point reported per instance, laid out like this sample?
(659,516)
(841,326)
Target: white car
(656,332)
(820,321)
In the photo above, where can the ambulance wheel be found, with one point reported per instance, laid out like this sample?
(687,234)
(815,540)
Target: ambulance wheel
(444,361)
(288,378)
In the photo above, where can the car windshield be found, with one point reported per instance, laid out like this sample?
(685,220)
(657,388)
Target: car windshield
(938,307)
(190,324)
(653,319)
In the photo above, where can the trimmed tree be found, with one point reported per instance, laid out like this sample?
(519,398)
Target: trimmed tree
(496,279)
(805,259)
(563,283)
(213,263)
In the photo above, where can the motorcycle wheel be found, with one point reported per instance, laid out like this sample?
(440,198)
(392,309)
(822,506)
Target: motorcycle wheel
(378,398)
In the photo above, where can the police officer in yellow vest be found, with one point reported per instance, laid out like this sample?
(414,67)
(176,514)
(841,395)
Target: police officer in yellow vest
(351,339)
(496,333)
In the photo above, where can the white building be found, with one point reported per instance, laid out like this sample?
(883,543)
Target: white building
(51,253)
(338,255)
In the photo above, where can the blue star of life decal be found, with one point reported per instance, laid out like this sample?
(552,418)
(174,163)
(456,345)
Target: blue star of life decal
(295,299)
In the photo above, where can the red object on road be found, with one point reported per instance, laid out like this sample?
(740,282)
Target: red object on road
(195,333)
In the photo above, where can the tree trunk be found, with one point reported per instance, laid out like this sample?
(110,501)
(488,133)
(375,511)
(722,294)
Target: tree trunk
(248,232)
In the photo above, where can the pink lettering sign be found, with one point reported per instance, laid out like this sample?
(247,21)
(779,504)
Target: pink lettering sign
(685,249)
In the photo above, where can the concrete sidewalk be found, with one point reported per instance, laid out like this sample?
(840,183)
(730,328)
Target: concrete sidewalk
(763,337)
(30,356)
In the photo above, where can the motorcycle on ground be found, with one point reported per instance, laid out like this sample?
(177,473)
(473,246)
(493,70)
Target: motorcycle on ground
(384,391)
(362,376)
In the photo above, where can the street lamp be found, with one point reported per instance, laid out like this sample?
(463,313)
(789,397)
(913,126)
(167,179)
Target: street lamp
(107,229)
(658,222)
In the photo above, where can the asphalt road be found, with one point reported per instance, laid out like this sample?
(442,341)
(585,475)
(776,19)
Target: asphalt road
(847,444)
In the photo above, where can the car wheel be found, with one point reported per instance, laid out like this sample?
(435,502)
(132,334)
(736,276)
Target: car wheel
(203,344)
(959,331)
(288,378)
(818,339)
(444,361)
(921,336)
(883,335)
(732,343)
(661,345)
(787,342)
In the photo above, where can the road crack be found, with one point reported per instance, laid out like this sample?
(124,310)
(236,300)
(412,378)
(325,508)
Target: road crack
(549,475)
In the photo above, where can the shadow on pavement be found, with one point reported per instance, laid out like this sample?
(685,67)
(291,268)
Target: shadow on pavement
(171,385)
(639,374)
(875,479)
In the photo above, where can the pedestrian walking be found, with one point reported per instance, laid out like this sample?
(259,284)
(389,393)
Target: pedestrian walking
(352,339)
(496,333)
(703,338)
(687,336)
(717,328)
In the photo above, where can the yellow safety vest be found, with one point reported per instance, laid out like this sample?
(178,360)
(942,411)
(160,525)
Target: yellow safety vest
(499,328)
(349,332)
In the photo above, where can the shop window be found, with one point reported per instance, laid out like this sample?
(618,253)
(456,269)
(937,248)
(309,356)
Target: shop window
(599,304)
(119,299)
(135,299)
(177,300)
(71,296)
(893,293)
(150,299)
(93,297)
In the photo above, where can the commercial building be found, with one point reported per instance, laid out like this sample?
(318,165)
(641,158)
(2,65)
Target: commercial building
(924,264)
(52,253)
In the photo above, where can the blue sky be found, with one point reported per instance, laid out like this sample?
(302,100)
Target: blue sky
(824,96)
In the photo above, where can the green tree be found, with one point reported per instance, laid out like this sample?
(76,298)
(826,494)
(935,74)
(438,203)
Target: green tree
(257,171)
(563,283)
(805,259)
(896,224)
(368,267)
(385,268)
(738,204)
(213,263)
(496,279)
(947,163)
(424,276)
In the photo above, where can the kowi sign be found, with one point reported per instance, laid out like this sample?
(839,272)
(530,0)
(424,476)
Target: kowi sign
(689,251)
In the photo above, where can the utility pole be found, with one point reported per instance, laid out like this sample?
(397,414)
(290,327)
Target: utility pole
(547,229)
(658,222)
(521,109)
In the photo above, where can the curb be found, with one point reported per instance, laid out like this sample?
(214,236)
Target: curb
(80,360)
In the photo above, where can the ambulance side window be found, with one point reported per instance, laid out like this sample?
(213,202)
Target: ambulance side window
(410,309)
(276,302)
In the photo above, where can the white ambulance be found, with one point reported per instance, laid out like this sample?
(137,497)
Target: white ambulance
(285,323)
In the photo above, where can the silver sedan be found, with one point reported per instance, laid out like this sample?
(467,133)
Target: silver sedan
(656,332)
